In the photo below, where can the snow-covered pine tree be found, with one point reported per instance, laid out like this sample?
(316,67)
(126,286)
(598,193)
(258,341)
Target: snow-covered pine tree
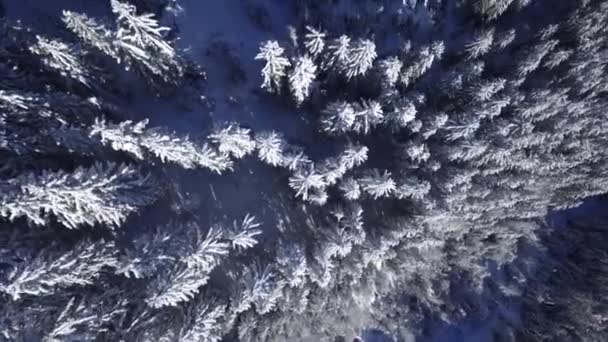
(203,322)
(353,155)
(332,170)
(314,41)
(338,117)
(82,318)
(293,158)
(292,264)
(140,38)
(149,253)
(412,187)
(491,9)
(276,65)
(361,58)
(306,179)
(256,286)
(556,58)
(378,184)
(402,113)
(504,39)
(52,270)
(270,147)
(136,139)
(33,123)
(318,196)
(484,90)
(369,114)
(531,59)
(481,44)
(390,69)
(63,58)
(421,62)
(102,194)
(138,42)
(139,30)
(350,188)
(243,234)
(301,78)
(92,33)
(233,140)
(197,257)
(47,110)
(338,54)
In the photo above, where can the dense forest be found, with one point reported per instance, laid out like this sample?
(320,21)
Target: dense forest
(307,170)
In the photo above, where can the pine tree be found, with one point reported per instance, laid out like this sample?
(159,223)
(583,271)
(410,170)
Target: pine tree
(530,60)
(292,264)
(390,69)
(139,31)
(412,187)
(303,180)
(360,58)
(481,44)
(82,319)
(351,189)
(49,271)
(369,114)
(33,123)
(421,63)
(353,155)
(270,147)
(293,158)
(314,41)
(135,139)
(378,184)
(203,323)
(198,256)
(138,41)
(140,38)
(338,117)
(332,170)
(461,130)
(61,57)
(491,9)
(318,196)
(402,114)
(484,91)
(275,68)
(45,110)
(101,194)
(176,285)
(247,328)
(233,140)
(556,58)
(301,78)
(257,286)
(149,253)
(417,152)
(504,39)
(91,32)
(338,53)
(243,234)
